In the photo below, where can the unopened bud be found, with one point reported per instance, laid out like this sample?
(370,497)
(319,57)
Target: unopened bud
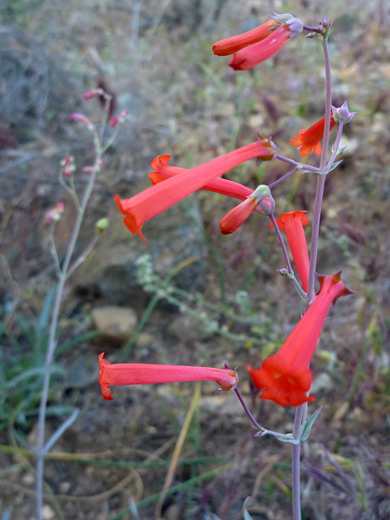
(68,165)
(93,93)
(54,214)
(76,116)
(283,272)
(295,25)
(102,224)
(119,119)
(342,113)
(267,205)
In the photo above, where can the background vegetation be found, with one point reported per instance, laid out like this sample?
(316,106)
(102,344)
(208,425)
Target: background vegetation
(222,299)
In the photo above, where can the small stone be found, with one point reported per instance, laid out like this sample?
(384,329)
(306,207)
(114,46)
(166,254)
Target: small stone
(115,324)
(322,383)
(48,513)
(173,512)
(65,487)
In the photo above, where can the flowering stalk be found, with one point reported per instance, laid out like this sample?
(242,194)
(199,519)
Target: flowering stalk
(63,274)
(296,449)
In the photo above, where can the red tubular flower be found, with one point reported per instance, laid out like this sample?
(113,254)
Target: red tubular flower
(292,223)
(223,186)
(145,374)
(285,377)
(260,200)
(252,55)
(237,216)
(163,195)
(253,47)
(235,43)
(310,140)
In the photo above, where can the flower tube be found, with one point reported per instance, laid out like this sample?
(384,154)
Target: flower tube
(255,46)
(164,171)
(235,43)
(285,377)
(260,200)
(310,140)
(292,223)
(158,198)
(146,374)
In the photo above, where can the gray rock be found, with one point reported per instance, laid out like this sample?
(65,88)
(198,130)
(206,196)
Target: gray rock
(115,324)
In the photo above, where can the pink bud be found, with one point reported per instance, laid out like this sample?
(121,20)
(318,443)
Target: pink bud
(93,93)
(54,214)
(76,116)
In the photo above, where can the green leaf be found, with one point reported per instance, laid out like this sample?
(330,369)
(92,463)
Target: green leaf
(283,437)
(333,166)
(309,424)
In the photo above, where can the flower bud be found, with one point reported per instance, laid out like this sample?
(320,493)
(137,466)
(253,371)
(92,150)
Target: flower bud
(102,224)
(342,113)
(54,214)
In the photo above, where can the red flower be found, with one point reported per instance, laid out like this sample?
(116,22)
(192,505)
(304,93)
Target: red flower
(250,56)
(163,195)
(145,374)
(237,216)
(292,223)
(254,47)
(309,140)
(235,43)
(285,377)
(260,200)
(164,171)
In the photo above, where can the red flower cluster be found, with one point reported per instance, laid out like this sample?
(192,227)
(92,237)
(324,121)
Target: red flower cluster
(163,195)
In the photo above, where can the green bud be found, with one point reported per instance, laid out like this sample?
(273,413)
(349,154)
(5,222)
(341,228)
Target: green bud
(102,224)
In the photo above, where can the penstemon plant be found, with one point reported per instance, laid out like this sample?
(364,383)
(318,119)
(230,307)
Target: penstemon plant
(284,377)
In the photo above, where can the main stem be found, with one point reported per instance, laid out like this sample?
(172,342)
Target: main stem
(52,342)
(296,449)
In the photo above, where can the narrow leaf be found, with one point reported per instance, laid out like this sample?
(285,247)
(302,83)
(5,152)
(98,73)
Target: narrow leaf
(309,424)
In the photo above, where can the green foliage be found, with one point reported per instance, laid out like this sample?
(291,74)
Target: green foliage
(22,366)
(17,11)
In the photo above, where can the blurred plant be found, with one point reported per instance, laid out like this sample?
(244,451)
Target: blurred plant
(66,266)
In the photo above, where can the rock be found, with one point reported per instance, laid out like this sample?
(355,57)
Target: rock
(322,383)
(48,513)
(115,324)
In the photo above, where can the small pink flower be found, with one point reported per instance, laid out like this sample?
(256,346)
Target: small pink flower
(54,214)
(68,166)
(119,119)
(76,116)
(145,374)
(93,93)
